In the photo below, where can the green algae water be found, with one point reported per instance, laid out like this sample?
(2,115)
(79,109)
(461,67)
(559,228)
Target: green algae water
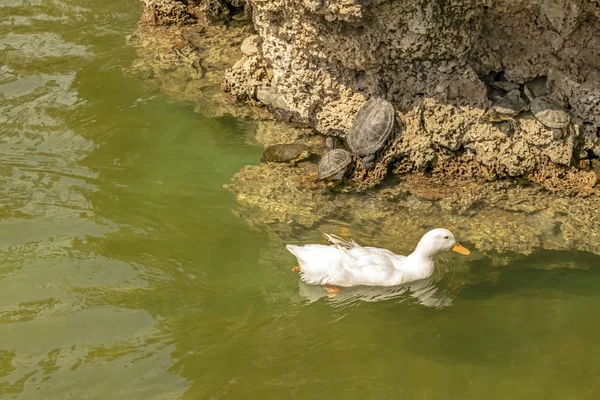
(126,274)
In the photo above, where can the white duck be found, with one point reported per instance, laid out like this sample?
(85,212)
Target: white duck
(345,263)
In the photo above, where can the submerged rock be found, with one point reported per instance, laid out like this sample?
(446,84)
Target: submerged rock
(273,132)
(185,55)
(500,216)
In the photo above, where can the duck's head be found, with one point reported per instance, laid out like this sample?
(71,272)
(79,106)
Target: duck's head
(439,240)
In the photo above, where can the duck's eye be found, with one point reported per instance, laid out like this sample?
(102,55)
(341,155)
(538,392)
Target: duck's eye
(446,237)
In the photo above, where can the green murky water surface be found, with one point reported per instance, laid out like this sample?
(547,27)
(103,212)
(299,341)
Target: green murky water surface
(125,273)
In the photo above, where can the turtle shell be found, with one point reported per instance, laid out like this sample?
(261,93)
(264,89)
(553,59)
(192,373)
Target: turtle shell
(372,126)
(549,113)
(332,162)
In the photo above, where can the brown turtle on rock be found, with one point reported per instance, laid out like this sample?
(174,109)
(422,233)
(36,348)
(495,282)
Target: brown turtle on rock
(372,126)
(334,163)
(548,112)
(286,153)
(505,109)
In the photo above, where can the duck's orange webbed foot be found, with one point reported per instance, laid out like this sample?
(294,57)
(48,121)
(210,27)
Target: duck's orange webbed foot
(296,269)
(331,290)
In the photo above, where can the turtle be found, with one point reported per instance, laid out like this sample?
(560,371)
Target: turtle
(372,126)
(334,164)
(286,153)
(548,112)
(505,109)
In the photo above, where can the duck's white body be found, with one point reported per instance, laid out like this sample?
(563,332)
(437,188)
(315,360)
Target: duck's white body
(346,264)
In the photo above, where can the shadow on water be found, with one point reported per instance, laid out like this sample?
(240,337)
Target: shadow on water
(527,307)
(572,273)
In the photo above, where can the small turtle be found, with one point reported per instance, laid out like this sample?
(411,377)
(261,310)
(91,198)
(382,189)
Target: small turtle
(284,153)
(334,164)
(548,112)
(505,109)
(372,126)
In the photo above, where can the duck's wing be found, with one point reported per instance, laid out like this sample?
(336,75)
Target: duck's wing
(350,252)
(370,265)
(356,255)
(345,263)
(383,252)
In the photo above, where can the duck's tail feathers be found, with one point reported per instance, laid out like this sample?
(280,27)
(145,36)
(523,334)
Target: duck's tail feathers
(293,249)
(343,243)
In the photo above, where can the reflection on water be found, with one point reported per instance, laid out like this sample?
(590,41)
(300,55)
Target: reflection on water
(40,45)
(125,273)
(56,335)
(425,292)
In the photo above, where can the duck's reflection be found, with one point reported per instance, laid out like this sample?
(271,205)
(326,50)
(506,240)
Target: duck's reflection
(426,292)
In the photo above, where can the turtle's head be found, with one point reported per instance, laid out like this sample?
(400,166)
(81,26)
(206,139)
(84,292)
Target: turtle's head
(329,143)
(528,93)
(382,87)
(306,154)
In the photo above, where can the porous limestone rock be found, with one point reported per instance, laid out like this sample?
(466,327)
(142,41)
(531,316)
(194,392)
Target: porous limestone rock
(493,217)
(318,62)
(183,54)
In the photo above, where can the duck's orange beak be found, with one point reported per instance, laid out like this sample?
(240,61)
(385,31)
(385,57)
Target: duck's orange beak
(460,249)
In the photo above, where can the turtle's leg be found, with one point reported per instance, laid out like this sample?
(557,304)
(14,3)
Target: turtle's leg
(489,116)
(332,290)
(368,161)
(516,124)
(558,133)
(493,117)
(513,125)
(296,269)
(293,162)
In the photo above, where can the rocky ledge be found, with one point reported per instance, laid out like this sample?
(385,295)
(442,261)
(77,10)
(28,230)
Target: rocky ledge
(313,64)
(446,62)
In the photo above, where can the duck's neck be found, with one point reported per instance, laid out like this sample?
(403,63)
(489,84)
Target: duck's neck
(420,263)
(424,250)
